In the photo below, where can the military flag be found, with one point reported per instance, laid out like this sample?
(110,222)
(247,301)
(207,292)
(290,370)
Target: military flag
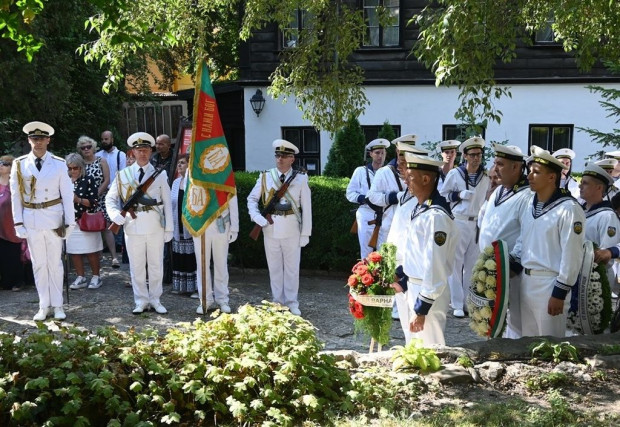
(211,182)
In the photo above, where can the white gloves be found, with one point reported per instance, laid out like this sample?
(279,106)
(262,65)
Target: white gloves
(466,194)
(303,241)
(232,236)
(21,232)
(119,219)
(261,220)
(68,230)
(167,236)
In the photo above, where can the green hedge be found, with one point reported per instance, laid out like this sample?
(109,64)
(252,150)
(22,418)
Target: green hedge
(332,247)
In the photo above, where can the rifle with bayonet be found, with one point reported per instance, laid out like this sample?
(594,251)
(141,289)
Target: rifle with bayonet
(270,207)
(136,198)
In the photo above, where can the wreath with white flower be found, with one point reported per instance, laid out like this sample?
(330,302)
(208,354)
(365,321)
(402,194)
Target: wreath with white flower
(590,310)
(487,301)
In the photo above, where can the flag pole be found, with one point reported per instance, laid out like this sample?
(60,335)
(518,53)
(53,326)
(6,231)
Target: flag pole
(203,284)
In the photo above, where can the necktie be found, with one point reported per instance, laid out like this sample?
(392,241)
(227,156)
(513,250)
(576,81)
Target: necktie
(282,178)
(141,175)
(37,163)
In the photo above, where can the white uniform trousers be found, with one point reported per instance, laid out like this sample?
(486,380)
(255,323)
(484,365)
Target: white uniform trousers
(143,250)
(216,248)
(467,253)
(283,257)
(403,307)
(513,322)
(435,321)
(46,255)
(535,294)
(364,231)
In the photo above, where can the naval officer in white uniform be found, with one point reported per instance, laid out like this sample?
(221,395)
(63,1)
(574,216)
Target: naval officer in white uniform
(357,192)
(145,235)
(465,188)
(42,202)
(549,249)
(502,219)
(431,242)
(290,226)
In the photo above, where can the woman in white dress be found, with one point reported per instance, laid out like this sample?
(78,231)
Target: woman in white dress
(80,243)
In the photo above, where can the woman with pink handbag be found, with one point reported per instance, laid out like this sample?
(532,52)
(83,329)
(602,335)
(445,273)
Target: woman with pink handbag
(85,238)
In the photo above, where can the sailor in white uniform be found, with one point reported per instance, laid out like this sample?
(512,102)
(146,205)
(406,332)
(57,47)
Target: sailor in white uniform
(399,227)
(146,234)
(357,192)
(549,249)
(42,204)
(447,151)
(218,237)
(386,186)
(291,224)
(566,156)
(465,188)
(432,238)
(502,219)
(602,224)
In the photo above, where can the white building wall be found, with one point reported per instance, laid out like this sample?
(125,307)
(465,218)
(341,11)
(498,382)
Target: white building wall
(423,110)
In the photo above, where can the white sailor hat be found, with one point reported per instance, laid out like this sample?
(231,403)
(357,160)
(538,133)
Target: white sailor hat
(409,138)
(415,161)
(545,158)
(475,142)
(450,144)
(377,143)
(564,153)
(595,171)
(282,146)
(403,148)
(607,164)
(38,129)
(613,154)
(140,139)
(510,152)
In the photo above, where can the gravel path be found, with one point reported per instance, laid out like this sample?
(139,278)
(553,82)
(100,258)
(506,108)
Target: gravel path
(322,299)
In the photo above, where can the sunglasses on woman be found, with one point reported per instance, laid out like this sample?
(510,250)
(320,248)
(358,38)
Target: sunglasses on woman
(86,147)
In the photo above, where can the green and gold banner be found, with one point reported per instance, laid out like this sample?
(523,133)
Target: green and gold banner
(211,182)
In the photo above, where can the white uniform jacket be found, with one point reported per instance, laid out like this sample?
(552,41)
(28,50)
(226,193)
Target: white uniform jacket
(553,240)
(297,199)
(384,192)
(502,217)
(29,185)
(603,229)
(358,189)
(400,223)
(572,186)
(456,181)
(123,186)
(431,243)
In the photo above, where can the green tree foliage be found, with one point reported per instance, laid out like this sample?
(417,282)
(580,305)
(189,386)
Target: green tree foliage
(57,86)
(347,151)
(461,41)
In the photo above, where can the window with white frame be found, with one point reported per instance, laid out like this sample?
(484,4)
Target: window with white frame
(308,140)
(545,35)
(378,35)
(154,118)
(551,137)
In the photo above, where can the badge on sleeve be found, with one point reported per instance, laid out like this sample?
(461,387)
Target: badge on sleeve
(611,231)
(440,238)
(578,227)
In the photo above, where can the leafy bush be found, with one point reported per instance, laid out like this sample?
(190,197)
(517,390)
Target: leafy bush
(331,248)
(547,381)
(261,365)
(415,356)
(556,352)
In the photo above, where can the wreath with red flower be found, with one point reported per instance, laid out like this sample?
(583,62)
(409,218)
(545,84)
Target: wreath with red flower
(370,294)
